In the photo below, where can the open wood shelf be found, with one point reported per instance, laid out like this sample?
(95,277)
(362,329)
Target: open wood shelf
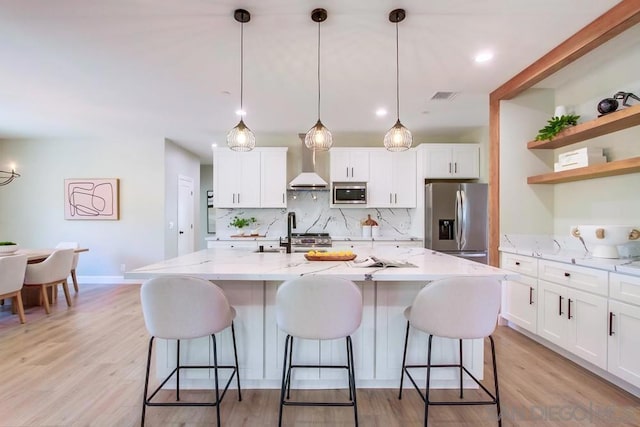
(613,122)
(619,167)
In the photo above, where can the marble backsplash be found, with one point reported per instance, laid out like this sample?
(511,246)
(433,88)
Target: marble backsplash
(313,215)
(539,244)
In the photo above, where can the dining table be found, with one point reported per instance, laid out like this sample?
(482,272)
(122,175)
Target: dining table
(32,297)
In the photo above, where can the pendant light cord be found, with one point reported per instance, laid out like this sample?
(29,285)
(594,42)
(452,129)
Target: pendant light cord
(397,76)
(318,71)
(241,69)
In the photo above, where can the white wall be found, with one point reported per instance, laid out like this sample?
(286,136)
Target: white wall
(206,184)
(31,207)
(178,161)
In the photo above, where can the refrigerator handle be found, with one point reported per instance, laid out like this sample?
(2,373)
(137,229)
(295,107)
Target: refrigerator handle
(458,218)
(461,200)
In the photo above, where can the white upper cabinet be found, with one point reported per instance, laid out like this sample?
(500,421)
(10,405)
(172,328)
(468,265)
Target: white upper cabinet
(452,161)
(273,170)
(244,180)
(349,164)
(392,179)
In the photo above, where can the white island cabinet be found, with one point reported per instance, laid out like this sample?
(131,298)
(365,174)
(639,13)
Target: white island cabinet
(250,280)
(623,329)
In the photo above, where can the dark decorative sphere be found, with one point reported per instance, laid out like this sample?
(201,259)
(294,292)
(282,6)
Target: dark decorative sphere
(607,105)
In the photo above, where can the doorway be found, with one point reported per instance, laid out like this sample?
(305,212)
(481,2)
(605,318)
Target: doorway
(186,218)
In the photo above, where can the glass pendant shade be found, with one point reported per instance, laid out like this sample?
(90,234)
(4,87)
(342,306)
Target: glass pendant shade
(318,138)
(398,138)
(240,138)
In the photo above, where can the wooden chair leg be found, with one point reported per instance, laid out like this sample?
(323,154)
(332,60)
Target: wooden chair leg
(65,288)
(45,299)
(75,280)
(17,301)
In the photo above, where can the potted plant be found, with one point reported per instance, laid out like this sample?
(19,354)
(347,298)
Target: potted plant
(8,248)
(239,223)
(556,124)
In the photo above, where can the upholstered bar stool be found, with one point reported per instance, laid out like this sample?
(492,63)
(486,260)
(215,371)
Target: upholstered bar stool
(318,308)
(181,308)
(456,308)
(12,269)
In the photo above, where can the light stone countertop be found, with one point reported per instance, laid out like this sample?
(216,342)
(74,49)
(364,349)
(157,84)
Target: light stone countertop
(243,264)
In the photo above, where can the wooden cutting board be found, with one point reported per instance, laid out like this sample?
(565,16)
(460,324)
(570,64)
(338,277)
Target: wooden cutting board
(330,257)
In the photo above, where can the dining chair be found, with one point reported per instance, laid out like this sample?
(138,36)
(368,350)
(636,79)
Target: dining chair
(51,272)
(181,308)
(74,265)
(456,308)
(318,308)
(12,270)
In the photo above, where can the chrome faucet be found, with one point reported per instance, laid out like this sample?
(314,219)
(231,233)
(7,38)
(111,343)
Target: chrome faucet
(291,223)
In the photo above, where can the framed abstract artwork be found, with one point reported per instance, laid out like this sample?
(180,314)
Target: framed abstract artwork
(91,198)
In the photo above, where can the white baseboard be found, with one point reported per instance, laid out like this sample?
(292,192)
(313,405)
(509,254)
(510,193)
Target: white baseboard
(107,280)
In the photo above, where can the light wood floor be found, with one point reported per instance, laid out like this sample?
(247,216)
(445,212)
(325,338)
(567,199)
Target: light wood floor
(85,366)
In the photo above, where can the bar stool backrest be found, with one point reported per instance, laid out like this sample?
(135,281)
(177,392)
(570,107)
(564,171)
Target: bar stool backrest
(461,307)
(317,307)
(183,307)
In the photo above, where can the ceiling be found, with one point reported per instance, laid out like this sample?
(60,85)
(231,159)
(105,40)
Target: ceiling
(171,69)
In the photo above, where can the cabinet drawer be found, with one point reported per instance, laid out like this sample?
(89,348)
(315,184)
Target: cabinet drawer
(583,278)
(624,288)
(519,263)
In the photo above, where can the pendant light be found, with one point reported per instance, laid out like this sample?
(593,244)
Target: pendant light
(240,138)
(318,138)
(398,138)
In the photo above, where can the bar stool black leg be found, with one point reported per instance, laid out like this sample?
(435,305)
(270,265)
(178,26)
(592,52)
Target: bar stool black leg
(215,376)
(146,383)
(289,370)
(235,354)
(352,378)
(404,360)
(426,394)
(284,378)
(178,370)
(495,380)
(349,369)
(461,369)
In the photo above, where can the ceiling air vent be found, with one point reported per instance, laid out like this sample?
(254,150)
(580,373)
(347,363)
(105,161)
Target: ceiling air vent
(443,96)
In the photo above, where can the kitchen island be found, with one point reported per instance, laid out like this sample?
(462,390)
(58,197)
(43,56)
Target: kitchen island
(250,281)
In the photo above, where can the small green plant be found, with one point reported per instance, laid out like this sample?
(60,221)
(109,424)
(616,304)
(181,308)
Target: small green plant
(555,125)
(7,243)
(238,222)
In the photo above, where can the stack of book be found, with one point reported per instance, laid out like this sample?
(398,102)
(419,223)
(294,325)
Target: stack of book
(579,158)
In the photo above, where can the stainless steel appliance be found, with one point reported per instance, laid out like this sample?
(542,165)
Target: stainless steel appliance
(456,219)
(349,193)
(311,240)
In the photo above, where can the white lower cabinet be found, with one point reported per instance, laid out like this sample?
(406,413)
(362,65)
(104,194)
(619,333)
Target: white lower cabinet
(624,328)
(574,320)
(519,302)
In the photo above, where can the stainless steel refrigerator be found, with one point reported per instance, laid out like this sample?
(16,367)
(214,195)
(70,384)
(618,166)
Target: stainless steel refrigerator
(456,219)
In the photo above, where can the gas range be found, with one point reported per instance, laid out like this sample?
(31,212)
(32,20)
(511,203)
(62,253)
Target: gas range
(311,240)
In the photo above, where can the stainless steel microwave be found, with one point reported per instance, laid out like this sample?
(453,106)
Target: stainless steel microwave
(349,193)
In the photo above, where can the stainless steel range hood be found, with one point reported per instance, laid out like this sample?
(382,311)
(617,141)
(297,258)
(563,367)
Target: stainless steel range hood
(308,179)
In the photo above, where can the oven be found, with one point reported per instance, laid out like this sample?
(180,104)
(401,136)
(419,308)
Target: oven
(349,193)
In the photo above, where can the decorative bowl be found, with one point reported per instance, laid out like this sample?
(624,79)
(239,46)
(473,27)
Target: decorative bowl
(601,240)
(8,249)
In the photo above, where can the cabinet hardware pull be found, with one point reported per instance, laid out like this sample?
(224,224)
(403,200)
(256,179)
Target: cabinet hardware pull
(234,198)
(611,315)
(530,295)
(560,305)
(455,167)
(282,197)
(347,171)
(396,198)
(569,308)
(449,167)
(390,198)
(567,274)
(238,197)
(352,172)
(517,262)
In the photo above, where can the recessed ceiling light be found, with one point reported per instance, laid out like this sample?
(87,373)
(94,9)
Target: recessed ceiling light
(241,113)
(381,112)
(484,56)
